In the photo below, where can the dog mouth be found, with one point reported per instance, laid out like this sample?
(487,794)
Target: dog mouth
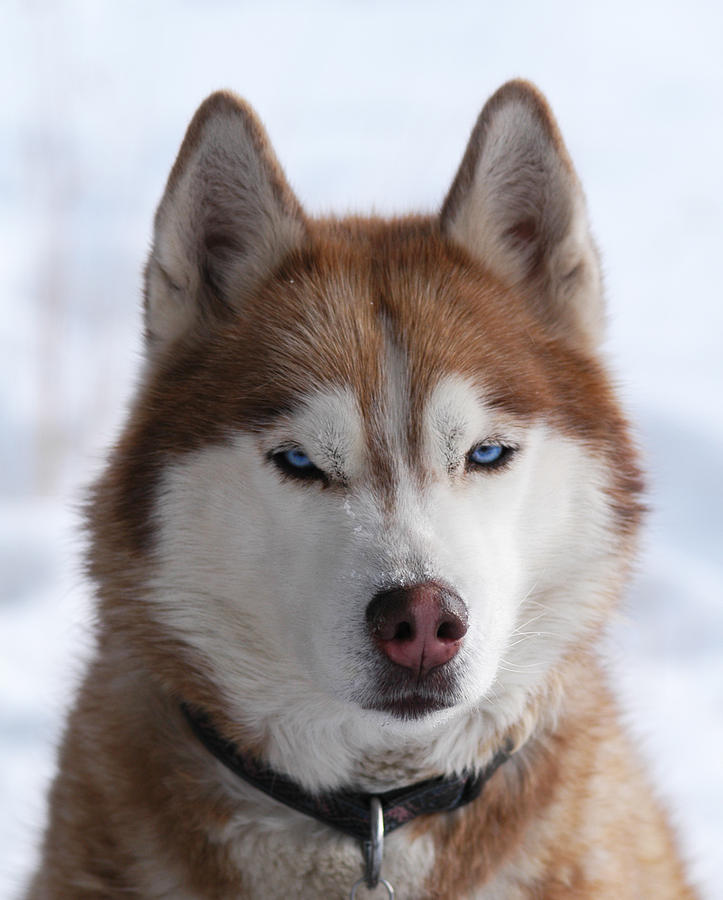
(411,706)
(399,692)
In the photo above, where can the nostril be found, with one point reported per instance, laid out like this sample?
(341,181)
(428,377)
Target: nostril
(403,632)
(451,630)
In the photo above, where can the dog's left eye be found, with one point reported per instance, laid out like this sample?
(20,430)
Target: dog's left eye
(489,456)
(296,463)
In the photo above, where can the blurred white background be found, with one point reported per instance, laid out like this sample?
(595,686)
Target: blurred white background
(369,105)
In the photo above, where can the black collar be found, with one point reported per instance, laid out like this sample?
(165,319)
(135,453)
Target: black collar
(347,811)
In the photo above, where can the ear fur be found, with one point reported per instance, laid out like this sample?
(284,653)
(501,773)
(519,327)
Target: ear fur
(227,218)
(516,205)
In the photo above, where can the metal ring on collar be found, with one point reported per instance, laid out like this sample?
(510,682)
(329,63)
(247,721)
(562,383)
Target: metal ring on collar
(385,884)
(374,847)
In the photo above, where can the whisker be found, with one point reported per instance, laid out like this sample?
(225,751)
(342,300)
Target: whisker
(525,635)
(530,621)
(520,667)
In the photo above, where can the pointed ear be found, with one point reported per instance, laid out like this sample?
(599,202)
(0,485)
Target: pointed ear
(516,205)
(226,221)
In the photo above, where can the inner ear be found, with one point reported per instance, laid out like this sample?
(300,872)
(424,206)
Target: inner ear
(226,221)
(516,205)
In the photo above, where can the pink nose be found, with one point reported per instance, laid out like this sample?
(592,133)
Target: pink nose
(418,627)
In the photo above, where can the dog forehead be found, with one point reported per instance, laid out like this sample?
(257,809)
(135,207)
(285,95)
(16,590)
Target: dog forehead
(387,308)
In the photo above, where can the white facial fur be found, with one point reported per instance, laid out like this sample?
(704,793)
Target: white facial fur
(269,578)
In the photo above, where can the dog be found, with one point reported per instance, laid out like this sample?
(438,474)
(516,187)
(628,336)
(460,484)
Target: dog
(356,548)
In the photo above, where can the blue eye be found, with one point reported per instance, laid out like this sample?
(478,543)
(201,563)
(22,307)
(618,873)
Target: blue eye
(489,455)
(296,463)
(297,459)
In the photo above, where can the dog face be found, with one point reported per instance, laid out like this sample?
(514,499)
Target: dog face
(374,477)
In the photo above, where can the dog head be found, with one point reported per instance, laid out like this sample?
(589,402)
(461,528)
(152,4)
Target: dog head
(375,475)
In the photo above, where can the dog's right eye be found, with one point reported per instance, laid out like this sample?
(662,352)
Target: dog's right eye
(294,462)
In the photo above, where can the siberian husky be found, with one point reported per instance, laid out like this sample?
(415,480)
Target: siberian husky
(372,508)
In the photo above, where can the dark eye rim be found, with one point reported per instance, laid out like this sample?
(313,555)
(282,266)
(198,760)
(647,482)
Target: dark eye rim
(310,473)
(502,461)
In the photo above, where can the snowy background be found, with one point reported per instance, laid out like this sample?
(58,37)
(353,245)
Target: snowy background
(369,104)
